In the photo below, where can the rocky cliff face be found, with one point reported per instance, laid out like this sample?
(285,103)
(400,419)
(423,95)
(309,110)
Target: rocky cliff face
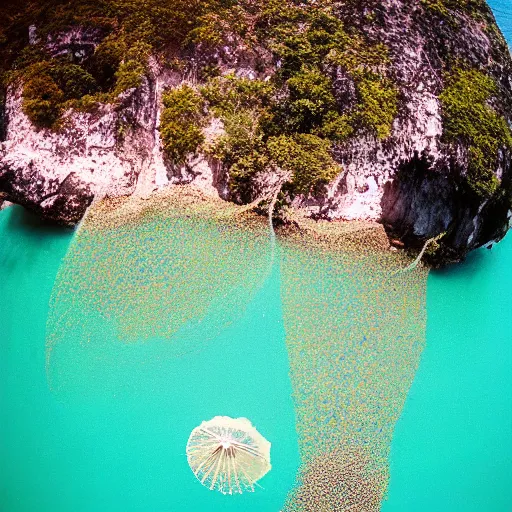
(413,181)
(417,180)
(115,150)
(58,174)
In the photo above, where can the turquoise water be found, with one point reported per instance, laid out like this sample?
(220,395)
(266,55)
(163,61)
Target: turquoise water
(115,439)
(452,447)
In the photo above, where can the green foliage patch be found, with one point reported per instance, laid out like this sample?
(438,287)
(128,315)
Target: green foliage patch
(242,149)
(313,46)
(296,112)
(229,94)
(130,31)
(306,157)
(180,124)
(470,119)
(446,8)
(250,144)
(378,103)
(310,99)
(52,86)
(42,100)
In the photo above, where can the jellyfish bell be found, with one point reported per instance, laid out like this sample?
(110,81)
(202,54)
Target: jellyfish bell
(228,455)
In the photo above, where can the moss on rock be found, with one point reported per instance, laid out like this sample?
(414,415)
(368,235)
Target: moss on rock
(293,82)
(42,98)
(447,8)
(378,103)
(128,31)
(470,120)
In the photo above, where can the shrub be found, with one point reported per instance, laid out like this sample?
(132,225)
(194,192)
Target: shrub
(302,36)
(132,28)
(240,103)
(132,69)
(42,100)
(229,94)
(310,99)
(181,123)
(74,81)
(378,103)
(212,27)
(308,159)
(336,127)
(241,150)
(469,119)
(50,87)
(105,62)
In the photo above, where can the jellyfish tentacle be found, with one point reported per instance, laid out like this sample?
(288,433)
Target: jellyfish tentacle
(216,463)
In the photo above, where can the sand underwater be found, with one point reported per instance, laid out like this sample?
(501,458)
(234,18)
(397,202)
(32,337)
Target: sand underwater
(378,390)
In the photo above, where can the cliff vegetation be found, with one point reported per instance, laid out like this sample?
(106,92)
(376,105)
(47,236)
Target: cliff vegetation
(268,124)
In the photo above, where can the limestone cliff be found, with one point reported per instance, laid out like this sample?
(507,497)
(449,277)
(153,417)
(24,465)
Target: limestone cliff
(409,148)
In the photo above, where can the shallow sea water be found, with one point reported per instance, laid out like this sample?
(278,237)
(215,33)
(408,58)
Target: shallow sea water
(111,433)
(103,425)
(452,447)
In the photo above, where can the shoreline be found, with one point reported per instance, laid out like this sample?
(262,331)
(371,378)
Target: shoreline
(188,200)
(357,237)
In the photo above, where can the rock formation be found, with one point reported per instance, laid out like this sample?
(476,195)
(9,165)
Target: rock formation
(424,176)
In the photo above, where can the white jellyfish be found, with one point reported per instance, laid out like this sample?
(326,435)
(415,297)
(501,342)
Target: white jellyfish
(228,455)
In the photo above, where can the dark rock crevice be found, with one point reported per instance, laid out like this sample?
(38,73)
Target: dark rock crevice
(422,202)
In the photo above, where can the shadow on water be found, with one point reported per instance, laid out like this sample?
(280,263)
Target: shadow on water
(474,262)
(27,222)
(22,227)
